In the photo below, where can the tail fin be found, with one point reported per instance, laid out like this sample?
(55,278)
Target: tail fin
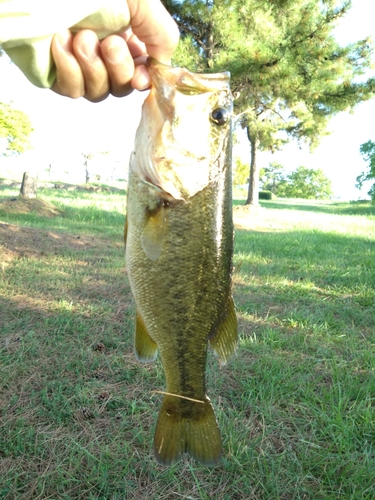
(186,426)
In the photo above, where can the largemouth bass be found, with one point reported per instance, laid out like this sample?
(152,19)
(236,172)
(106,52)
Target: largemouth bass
(179,246)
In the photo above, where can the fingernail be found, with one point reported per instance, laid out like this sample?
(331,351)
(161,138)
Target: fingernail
(141,79)
(64,40)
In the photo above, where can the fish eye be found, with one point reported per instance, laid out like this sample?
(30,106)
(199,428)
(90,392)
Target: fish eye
(220,116)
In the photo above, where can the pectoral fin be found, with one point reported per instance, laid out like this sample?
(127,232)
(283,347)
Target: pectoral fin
(224,342)
(152,236)
(145,348)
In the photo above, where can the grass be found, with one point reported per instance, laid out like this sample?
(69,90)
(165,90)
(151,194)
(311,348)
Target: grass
(296,406)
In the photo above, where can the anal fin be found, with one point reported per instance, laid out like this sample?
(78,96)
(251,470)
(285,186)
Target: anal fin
(224,341)
(145,348)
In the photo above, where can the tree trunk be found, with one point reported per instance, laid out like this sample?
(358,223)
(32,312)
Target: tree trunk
(209,49)
(28,186)
(87,171)
(253,190)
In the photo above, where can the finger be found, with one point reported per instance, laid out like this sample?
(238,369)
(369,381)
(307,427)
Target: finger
(86,48)
(119,63)
(154,26)
(141,78)
(69,77)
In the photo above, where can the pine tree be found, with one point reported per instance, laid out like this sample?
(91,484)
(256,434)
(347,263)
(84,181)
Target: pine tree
(289,72)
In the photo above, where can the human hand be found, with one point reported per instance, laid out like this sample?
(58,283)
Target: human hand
(115,65)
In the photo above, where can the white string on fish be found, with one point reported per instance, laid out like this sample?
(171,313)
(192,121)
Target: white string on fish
(178,396)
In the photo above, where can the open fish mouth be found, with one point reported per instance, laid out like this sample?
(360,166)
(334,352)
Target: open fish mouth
(186,119)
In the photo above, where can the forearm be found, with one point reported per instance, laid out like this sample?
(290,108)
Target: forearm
(28,26)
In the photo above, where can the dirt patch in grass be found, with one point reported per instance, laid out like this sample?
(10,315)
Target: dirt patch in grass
(18,241)
(85,188)
(36,206)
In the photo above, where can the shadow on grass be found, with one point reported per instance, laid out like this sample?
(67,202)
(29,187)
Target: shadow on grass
(327,259)
(70,283)
(312,278)
(338,208)
(75,191)
(82,220)
(66,190)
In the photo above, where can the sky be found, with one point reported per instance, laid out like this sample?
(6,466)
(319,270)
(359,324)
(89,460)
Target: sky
(64,128)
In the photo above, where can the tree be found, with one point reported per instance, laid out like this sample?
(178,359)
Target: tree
(290,73)
(241,173)
(15,128)
(87,157)
(367,150)
(272,176)
(90,159)
(306,183)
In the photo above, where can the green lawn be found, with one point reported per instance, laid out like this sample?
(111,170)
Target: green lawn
(296,406)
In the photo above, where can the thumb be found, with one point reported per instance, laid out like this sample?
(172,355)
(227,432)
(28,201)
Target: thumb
(154,26)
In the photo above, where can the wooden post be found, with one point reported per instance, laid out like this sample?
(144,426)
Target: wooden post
(28,186)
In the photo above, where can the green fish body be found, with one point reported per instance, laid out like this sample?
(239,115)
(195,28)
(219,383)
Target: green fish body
(179,246)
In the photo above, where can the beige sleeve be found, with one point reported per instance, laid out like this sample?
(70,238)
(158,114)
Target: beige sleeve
(28,26)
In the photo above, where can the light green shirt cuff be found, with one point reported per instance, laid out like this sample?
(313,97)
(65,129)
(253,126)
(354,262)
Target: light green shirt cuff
(28,26)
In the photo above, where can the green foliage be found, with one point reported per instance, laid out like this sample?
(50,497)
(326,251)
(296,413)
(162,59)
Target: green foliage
(303,183)
(241,173)
(15,128)
(289,73)
(266,195)
(271,176)
(367,150)
(306,183)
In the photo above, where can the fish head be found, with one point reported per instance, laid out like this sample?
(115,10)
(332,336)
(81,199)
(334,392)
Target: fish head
(185,127)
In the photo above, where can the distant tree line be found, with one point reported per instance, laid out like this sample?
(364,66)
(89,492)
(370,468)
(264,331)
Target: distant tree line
(307,183)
